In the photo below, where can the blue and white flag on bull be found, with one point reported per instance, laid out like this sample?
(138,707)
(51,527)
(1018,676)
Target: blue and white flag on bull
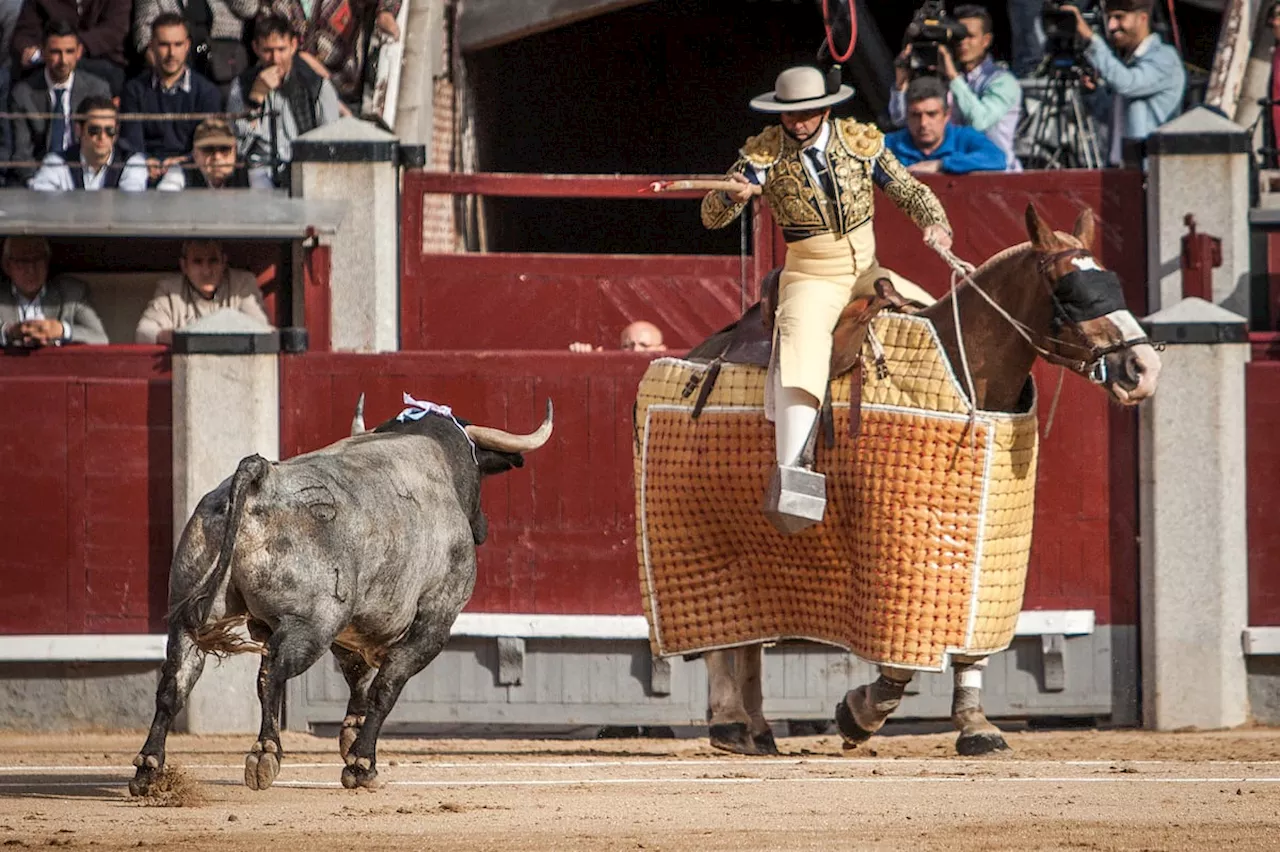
(418,409)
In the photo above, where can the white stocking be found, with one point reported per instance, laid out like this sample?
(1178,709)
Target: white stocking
(797,411)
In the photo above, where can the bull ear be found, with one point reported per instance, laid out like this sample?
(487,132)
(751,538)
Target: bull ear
(1042,236)
(1084,230)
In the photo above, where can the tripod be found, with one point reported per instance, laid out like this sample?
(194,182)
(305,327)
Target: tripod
(1058,132)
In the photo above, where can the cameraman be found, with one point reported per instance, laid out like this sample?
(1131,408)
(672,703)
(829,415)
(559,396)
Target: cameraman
(984,94)
(1146,80)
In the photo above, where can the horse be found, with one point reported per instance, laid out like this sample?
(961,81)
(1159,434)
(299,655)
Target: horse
(1046,298)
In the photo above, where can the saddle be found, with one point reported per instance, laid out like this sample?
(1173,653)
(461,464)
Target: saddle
(750,341)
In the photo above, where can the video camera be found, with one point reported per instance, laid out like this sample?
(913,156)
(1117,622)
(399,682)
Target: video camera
(1063,47)
(930,29)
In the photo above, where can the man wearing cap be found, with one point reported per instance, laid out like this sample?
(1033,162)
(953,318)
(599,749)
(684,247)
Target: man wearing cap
(817,175)
(214,153)
(1144,76)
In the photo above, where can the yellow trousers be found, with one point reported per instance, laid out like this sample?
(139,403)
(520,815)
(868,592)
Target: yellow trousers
(820,276)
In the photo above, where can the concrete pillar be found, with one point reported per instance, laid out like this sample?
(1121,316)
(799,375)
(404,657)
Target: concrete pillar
(1198,163)
(226,405)
(355,162)
(1194,573)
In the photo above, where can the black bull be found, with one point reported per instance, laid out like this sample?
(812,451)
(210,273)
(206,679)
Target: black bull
(366,547)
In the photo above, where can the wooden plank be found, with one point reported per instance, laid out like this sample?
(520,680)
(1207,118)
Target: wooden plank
(1262,389)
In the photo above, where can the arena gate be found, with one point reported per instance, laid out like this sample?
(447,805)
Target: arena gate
(558,589)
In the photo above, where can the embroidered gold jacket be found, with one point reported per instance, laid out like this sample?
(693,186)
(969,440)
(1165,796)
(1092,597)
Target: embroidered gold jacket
(857,160)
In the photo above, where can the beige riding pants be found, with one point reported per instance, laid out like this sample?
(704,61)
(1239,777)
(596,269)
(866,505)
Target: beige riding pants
(820,276)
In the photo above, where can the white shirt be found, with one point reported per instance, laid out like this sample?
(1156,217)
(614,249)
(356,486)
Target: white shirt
(55,175)
(67,141)
(31,309)
(819,146)
(1118,106)
(175,179)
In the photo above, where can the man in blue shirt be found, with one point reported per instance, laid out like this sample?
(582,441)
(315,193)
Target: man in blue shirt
(929,145)
(1146,80)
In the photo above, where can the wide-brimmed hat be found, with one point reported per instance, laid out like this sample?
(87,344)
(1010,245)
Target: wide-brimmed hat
(798,89)
(213,132)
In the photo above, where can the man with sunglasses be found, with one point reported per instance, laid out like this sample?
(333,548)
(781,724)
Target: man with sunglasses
(214,153)
(98,160)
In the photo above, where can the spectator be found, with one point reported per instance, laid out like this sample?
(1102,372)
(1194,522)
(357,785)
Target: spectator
(169,87)
(205,286)
(1145,83)
(37,312)
(301,97)
(337,35)
(101,26)
(1028,35)
(984,95)
(929,145)
(640,336)
(215,158)
(217,33)
(60,88)
(8,16)
(98,160)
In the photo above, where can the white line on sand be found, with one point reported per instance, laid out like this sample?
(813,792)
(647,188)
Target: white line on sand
(587,782)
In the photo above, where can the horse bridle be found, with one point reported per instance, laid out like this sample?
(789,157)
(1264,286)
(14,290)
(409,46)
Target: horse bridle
(1100,284)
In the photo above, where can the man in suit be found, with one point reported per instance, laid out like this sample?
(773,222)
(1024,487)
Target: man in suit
(102,26)
(57,87)
(37,312)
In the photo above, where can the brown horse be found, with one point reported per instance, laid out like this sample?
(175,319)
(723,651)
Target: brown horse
(1050,299)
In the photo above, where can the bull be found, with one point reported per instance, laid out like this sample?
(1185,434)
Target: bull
(366,548)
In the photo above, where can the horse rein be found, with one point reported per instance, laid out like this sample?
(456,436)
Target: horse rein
(1093,366)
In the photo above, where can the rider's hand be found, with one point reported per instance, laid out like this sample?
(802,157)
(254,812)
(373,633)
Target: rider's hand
(938,237)
(742,196)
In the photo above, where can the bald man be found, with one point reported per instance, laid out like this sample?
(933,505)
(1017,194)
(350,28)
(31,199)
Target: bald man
(640,336)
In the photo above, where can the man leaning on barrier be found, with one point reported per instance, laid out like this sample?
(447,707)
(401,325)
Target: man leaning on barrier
(35,311)
(215,166)
(98,160)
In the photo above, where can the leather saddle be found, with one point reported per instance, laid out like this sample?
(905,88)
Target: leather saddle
(750,341)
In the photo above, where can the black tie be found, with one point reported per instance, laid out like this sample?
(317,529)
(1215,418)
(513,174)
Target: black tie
(824,174)
(58,128)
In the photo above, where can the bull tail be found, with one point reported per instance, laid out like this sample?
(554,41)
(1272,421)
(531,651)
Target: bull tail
(193,611)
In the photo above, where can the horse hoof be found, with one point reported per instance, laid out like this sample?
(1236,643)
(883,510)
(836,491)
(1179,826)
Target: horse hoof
(976,745)
(851,732)
(732,737)
(765,743)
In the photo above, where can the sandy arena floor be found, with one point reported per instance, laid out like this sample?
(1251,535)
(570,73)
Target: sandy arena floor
(1063,790)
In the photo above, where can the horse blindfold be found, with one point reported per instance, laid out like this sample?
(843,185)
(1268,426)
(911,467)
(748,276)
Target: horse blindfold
(1088,294)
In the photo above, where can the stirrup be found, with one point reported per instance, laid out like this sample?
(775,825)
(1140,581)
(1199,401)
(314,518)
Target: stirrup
(796,498)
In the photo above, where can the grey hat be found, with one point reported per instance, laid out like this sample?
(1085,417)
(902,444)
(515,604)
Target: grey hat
(798,89)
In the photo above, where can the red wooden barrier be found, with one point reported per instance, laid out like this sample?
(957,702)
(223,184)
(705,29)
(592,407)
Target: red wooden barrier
(563,530)
(86,508)
(1262,389)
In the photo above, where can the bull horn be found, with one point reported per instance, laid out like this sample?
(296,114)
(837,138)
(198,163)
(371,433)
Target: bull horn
(495,439)
(357,421)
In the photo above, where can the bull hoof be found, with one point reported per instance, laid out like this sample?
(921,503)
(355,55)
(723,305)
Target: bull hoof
(261,765)
(732,737)
(851,732)
(148,773)
(360,773)
(765,743)
(985,742)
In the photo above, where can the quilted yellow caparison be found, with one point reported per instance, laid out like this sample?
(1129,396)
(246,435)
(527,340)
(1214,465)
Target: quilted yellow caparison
(924,549)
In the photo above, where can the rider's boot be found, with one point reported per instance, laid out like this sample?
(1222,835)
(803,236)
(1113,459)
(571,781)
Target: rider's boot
(796,498)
